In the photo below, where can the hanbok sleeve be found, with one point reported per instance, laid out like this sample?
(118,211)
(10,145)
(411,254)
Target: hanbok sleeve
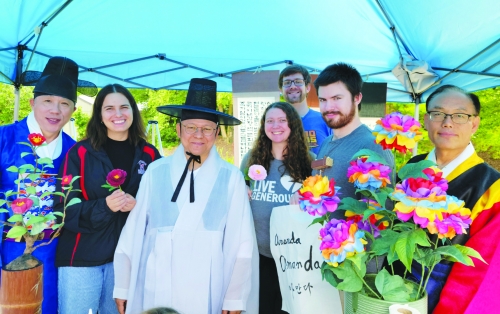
(128,251)
(239,237)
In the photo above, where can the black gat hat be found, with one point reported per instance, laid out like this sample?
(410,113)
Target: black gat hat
(59,78)
(201,103)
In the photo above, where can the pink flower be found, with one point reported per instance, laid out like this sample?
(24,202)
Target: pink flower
(257,172)
(21,205)
(116,177)
(66,180)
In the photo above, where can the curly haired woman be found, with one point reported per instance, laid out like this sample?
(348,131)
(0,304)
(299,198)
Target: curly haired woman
(281,148)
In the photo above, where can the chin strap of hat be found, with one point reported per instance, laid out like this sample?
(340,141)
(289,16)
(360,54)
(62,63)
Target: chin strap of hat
(192,158)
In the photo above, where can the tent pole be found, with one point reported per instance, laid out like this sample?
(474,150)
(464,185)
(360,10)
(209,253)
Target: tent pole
(16,103)
(416,116)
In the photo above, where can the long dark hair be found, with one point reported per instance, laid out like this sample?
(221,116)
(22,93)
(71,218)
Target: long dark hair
(296,157)
(97,132)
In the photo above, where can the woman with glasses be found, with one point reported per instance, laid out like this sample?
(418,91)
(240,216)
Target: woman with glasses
(115,140)
(281,148)
(189,243)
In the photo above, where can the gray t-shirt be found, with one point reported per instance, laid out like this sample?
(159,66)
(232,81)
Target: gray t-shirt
(341,151)
(275,190)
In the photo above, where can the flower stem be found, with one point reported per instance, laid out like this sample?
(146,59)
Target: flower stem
(421,281)
(429,276)
(364,282)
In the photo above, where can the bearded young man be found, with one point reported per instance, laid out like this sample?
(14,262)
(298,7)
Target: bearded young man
(295,83)
(339,92)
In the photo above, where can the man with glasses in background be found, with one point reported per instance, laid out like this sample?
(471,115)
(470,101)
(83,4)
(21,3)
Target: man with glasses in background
(451,120)
(295,83)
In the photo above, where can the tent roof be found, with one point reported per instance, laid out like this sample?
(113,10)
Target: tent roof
(164,43)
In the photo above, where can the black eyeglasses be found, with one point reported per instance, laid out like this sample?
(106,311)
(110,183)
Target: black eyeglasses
(297,82)
(459,118)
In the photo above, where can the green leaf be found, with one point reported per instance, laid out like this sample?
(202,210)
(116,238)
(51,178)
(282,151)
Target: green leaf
(35,219)
(405,247)
(45,161)
(469,252)
(382,245)
(419,237)
(372,156)
(12,169)
(414,170)
(2,202)
(454,254)
(37,228)
(392,288)
(33,176)
(31,190)
(427,257)
(27,167)
(25,154)
(350,280)
(321,220)
(45,194)
(328,275)
(59,194)
(3,210)
(358,260)
(15,218)
(74,201)
(50,217)
(354,205)
(55,226)
(74,179)
(36,201)
(368,213)
(25,143)
(58,214)
(16,232)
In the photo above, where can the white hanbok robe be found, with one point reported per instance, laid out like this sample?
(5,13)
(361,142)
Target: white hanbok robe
(196,257)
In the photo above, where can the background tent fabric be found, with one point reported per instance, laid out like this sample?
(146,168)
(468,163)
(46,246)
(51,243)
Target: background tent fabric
(162,44)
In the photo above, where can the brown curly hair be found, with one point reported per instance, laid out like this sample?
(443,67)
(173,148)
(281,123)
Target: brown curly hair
(296,157)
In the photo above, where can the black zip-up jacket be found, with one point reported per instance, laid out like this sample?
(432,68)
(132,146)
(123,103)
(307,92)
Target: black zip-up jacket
(91,230)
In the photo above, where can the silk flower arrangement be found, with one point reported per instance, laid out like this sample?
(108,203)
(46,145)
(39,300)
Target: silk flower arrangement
(370,229)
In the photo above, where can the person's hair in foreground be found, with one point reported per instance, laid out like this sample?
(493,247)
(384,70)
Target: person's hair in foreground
(292,69)
(445,88)
(341,72)
(161,310)
(296,158)
(97,131)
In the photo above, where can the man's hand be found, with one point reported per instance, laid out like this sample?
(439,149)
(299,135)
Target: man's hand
(129,204)
(121,305)
(294,199)
(230,312)
(116,200)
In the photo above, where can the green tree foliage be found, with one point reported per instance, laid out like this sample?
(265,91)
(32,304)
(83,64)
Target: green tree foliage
(487,138)
(81,121)
(7,103)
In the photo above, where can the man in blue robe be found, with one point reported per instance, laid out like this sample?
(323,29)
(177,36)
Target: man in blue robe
(52,106)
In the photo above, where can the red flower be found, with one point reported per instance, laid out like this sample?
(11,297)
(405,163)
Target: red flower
(116,177)
(36,139)
(21,205)
(399,148)
(66,180)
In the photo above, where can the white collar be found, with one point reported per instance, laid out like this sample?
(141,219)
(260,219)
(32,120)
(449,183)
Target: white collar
(468,151)
(51,150)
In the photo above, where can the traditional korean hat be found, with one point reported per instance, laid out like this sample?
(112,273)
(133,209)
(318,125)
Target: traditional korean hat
(200,104)
(59,78)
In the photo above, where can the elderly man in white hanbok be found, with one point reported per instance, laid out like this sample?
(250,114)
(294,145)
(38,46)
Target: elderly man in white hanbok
(190,246)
